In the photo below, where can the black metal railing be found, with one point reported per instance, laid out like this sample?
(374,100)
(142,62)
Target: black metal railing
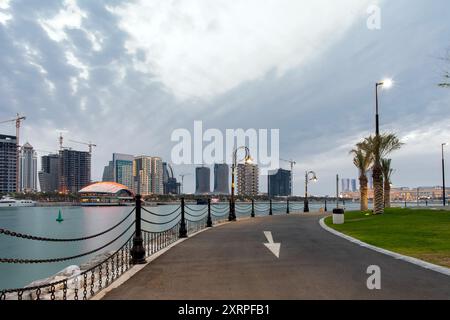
(153,232)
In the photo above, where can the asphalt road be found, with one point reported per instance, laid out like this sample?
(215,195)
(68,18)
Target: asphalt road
(230,262)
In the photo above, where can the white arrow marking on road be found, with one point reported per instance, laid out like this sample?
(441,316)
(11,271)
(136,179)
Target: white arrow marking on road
(273,247)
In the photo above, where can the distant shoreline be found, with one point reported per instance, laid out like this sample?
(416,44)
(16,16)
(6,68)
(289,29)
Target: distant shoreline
(58,204)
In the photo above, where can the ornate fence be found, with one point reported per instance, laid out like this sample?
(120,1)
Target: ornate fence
(132,249)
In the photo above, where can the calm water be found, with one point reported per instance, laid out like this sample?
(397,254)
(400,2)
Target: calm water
(83,221)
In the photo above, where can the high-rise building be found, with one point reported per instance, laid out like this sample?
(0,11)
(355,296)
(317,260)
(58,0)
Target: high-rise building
(170,184)
(148,175)
(49,174)
(123,169)
(74,170)
(221,179)
(354,186)
(108,173)
(279,183)
(248,179)
(202,180)
(345,184)
(28,169)
(8,164)
(157,183)
(142,166)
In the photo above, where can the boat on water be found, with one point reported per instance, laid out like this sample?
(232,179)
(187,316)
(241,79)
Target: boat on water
(8,202)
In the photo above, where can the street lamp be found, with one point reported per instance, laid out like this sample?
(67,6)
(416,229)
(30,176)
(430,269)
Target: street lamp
(309,176)
(248,160)
(377,171)
(386,84)
(443,176)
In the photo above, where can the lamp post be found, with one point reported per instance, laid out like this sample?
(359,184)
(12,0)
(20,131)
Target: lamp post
(311,175)
(248,160)
(377,170)
(444,196)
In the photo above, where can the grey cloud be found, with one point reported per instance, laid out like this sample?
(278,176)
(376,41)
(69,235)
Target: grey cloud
(316,106)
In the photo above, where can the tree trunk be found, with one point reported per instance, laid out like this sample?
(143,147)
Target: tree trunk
(363,190)
(387,194)
(378,197)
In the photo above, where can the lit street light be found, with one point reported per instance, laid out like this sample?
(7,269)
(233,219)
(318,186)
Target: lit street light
(377,171)
(309,176)
(248,160)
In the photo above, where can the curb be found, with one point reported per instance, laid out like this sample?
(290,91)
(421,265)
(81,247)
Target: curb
(398,256)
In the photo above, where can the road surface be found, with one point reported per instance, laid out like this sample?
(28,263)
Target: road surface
(231,262)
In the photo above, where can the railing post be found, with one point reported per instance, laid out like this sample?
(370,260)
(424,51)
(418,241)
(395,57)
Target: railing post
(287,206)
(209,223)
(270,210)
(138,251)
(232,215)
(253,208)
(183,230)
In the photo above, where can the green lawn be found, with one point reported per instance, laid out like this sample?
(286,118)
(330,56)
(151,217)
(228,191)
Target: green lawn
(423,234)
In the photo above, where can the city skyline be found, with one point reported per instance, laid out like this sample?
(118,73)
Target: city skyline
(82,77)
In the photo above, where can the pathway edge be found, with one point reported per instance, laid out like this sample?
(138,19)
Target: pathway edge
(398,256)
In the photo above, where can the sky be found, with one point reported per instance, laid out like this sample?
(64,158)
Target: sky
(126,74)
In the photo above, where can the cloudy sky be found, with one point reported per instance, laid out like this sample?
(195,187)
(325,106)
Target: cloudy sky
(125,74)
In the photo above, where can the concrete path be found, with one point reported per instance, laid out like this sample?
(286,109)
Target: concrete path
(230,262)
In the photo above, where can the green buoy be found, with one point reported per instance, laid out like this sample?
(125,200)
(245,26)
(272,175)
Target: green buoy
(60,218)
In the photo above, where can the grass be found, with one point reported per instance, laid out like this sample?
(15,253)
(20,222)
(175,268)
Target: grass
(423,234)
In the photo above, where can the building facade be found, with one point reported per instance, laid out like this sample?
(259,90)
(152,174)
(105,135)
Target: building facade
(354,185)
(123,169)
(108,173)
(405,194)
(148,175)
(248,179)
(8,164)
(28,169)
(279,183)
(49,174)
(74,170)
(221,179)
(142,175)
(170,183)
(157,182)
(202,180)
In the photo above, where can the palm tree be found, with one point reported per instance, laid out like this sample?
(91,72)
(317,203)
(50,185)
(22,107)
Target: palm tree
(387,172)
(379,147)
(362,161)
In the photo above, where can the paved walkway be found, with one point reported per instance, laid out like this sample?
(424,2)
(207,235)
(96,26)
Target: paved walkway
(230,262)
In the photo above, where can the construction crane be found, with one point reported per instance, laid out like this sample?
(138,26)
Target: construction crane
(90,144)
(292,163)
(18,120)
(182,180)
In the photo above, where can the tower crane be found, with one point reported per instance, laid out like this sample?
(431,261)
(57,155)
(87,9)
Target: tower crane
(292,163)
(89,144)
(18,120)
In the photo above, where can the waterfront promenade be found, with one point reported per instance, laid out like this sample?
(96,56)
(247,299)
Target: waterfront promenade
(231,262)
